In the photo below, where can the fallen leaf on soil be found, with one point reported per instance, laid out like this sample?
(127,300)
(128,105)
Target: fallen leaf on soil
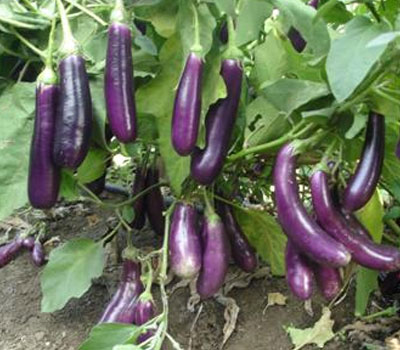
(319,334)
(92,220)
(230,314)
(276,299)
(308,308)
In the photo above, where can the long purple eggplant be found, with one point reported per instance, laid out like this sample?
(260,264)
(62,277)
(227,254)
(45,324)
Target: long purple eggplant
(44,175)
(362,184)
(206,164)
(310,238)
(328,280)
(154,203)
(9,251)
(299,275)
(74,114)
(184,242)
(295,37)
(121,308)
(216,256)
(242,252)
(187,107)
(139,185)
(363,250)
(118,79)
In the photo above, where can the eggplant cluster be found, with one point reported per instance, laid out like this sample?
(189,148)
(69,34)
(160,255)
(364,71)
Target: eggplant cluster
(319,247)
(202,246)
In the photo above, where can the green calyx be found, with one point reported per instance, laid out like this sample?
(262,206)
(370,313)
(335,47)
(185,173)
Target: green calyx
(129,253)
(47,77)
(119,14)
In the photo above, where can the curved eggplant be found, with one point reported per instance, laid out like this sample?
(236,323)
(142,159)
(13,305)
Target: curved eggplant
(215,257)
(187,107)
(44,175)
(184,242)
(37,254)
(299,274)
(206,164)
(119,84)
(9,251)
(74,114)
(121,308)
(364,251)
(310,238)
(154,203)
(242,252)
(362,184)
(28,243)
(328,280)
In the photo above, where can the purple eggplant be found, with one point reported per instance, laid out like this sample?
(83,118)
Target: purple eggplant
(37,254)
(28,243)
(154,203)
(144,312)
(328,280)
(206,164)
(215,256)
(242,252)
(187,107)
(74,114)
(299,275)
(44,175)
(139,185)
(118,79)
(9,251)
(184,242)
(362,184)
(310,238)
(363,250)
(97,186)
(121,308)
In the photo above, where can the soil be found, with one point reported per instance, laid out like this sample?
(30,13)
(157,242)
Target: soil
(23,327)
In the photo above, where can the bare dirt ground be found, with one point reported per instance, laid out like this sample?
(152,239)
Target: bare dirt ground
(23,327)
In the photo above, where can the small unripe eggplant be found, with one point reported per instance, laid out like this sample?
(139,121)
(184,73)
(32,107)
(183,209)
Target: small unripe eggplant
(9,251)
(74,114)
(44,175)
(37,254)
(215,256)
(184,242)
(299,274)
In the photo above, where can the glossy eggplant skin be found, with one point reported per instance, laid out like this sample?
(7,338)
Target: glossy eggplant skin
(363,250)
(300,228)
(187,107)
(242,252)
(28,243)
(299,275)
(216,257)
(362,184)
(144,312)
(119,84)
(184,242)
(9,251)
(37,254)
(121,308)
(74,114)
(154,203)
(328,280)
(139,185)
(206,164)
(44,175)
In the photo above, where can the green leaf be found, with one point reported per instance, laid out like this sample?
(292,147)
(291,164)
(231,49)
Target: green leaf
(371,216)
(350,59)
(127,347)
(265,235)
(226,6)
(99,112)
(320,334)
(17,106)
(186,24)
(391,164)
(334,11)
(162,90)
(107,335)
(359,122)
(301,17)
(69,189)
(94,165)
(252,16)
(128,213)
(289,94)
(24,20)
(383,39)
(70,271)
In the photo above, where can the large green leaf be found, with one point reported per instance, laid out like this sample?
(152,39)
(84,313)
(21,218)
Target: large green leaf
(93,166)
(17,105)
(70,271)
(265,235)
(371,216)
(289,94)
(107,335)
(350,58)
(252,16)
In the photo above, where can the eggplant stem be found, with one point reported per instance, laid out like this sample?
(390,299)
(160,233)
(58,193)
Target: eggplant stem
(28,44)
(87,11)
(69,45)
